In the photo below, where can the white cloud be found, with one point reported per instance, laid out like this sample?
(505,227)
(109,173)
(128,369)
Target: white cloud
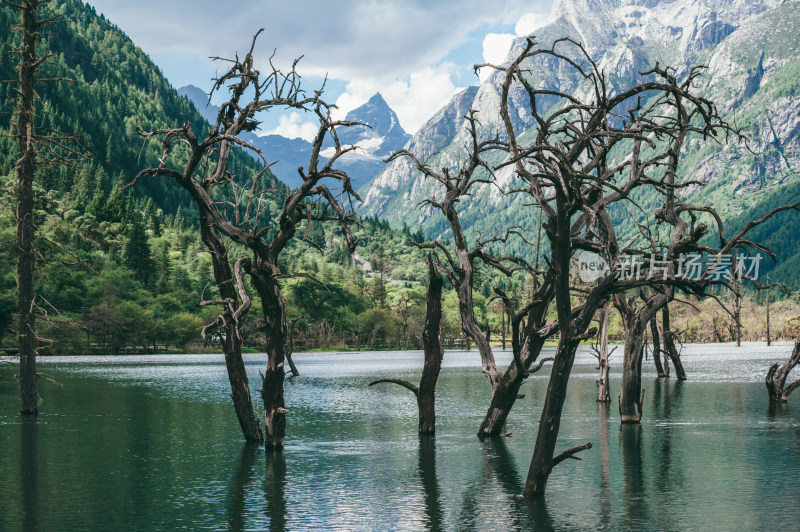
(415,99)
(359,41)
(495,50)
(347,40)
(292,126)
(529,22)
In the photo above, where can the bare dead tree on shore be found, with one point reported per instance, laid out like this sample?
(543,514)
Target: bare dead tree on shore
(231,209)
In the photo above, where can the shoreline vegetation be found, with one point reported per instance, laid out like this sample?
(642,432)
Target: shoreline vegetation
(706,323)
(340,350)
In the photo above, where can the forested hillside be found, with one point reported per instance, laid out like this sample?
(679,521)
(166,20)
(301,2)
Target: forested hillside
(123,269)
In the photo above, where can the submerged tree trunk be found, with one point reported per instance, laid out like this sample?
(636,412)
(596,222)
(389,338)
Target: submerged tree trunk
(542,462)
(669,345)
(603,395)
(631,393)
(526,347)
(657,347)
(272,379)
(26,262)
(434,353)
(777,375)
(232,344)
(432,345)
(240,388)
(292,366)
(507,391)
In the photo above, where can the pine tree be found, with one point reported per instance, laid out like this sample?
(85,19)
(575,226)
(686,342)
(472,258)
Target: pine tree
(137,254)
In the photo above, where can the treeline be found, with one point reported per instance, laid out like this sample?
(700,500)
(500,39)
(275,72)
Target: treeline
(119,275)
(123,269)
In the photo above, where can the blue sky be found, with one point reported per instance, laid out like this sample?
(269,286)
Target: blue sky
(417,53)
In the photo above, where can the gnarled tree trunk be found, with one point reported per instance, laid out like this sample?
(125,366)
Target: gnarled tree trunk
(603,395)
(434,353)
(272,379)
(657,348)
(232,345)
(543,462)
(631,393)
(669,345)
(507,391)
(777,375)
(526,349)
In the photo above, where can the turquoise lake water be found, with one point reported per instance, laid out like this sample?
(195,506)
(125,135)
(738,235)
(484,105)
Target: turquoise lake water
(152,443)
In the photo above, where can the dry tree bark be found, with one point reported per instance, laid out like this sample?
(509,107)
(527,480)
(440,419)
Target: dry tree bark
(425,393)
(459,267)
(777,375)
(568,171)
(26,261)
(603,395)
(657,348)
(230,207)
(35,148)
(669,346)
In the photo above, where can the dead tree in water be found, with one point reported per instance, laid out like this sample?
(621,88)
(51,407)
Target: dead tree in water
(601,348)
(569,173)
(656,338)
(566,172)
(434,353)
(670,351)
(777,375)
(36,146)
(26,262)
(231,206)
(460,270)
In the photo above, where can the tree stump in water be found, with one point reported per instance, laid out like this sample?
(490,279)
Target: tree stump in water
(777,374)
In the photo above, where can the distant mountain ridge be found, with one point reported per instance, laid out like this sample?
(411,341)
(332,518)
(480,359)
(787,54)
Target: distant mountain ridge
(376,142)
(752,49)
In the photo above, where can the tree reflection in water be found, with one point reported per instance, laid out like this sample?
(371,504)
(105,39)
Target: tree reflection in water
(29,471)
(242,477)
(430,484)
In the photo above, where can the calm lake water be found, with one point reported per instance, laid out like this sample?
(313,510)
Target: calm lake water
(152,443)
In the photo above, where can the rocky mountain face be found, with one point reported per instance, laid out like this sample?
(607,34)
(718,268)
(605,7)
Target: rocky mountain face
(749,46)
(384,134)
(376,142)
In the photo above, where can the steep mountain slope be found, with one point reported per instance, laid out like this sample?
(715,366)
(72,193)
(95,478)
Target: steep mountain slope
(751,48)
(384,136)
(114,86)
